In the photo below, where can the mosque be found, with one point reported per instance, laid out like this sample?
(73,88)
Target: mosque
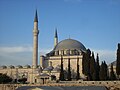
(50,64)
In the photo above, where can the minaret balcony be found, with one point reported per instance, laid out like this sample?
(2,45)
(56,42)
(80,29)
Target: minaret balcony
(36,31)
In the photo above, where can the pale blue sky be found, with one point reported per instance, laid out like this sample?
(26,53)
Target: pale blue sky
(95,23)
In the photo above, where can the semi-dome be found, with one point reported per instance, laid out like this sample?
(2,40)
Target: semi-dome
(70,44)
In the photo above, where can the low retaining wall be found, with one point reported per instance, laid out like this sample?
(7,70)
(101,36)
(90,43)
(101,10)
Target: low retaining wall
(111,85)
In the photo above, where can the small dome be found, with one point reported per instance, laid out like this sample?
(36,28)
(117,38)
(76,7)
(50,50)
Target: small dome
(58,68)
(70,44)
(46,69)
(19,66)
(11,66)
(27,66)
(49,68)
(3,67)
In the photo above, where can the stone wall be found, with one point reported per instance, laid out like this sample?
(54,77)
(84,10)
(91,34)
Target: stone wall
(111,85)
(56,60)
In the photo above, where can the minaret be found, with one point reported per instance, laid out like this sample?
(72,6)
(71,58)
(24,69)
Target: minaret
(55,38)
(35,42)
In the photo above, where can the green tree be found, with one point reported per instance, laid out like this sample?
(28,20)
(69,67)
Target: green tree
(112,74)
(69,71)
(22,80)
(78,74)
(61,70)
(118,60)
(103,71)
(5,78)
(86,64)
(106,70)
(93,67)
(97,68)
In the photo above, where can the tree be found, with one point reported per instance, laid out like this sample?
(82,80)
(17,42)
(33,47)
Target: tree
(93,67)
(103,71)
(86,64)
(22,80)
(106,70)
(78,74)
(118,60)
(69,71)
(61,70)
(97,68)
(5,78)
(112,74)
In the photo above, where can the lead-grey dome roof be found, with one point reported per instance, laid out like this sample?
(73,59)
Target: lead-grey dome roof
(70,44)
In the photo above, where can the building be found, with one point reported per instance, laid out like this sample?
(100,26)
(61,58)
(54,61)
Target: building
(114,67)
(50,64)
(68,49)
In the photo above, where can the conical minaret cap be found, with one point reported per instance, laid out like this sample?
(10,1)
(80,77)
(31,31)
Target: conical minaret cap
(36,17)
(56,36)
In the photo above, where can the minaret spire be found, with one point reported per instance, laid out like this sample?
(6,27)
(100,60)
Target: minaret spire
(35,41)
(55,38)
(36,17)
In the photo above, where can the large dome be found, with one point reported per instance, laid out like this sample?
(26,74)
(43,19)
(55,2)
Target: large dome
(70,44)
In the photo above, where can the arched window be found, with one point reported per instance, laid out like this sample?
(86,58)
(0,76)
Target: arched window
(68,52)
(62,52)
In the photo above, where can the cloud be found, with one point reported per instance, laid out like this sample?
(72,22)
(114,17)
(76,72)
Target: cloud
(106,55)
(15,55)
(16,49)
(23,55)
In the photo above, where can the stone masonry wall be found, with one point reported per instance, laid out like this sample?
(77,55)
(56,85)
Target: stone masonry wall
(111,85)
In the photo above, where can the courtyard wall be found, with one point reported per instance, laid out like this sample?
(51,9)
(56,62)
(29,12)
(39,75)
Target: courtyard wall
(111,85)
